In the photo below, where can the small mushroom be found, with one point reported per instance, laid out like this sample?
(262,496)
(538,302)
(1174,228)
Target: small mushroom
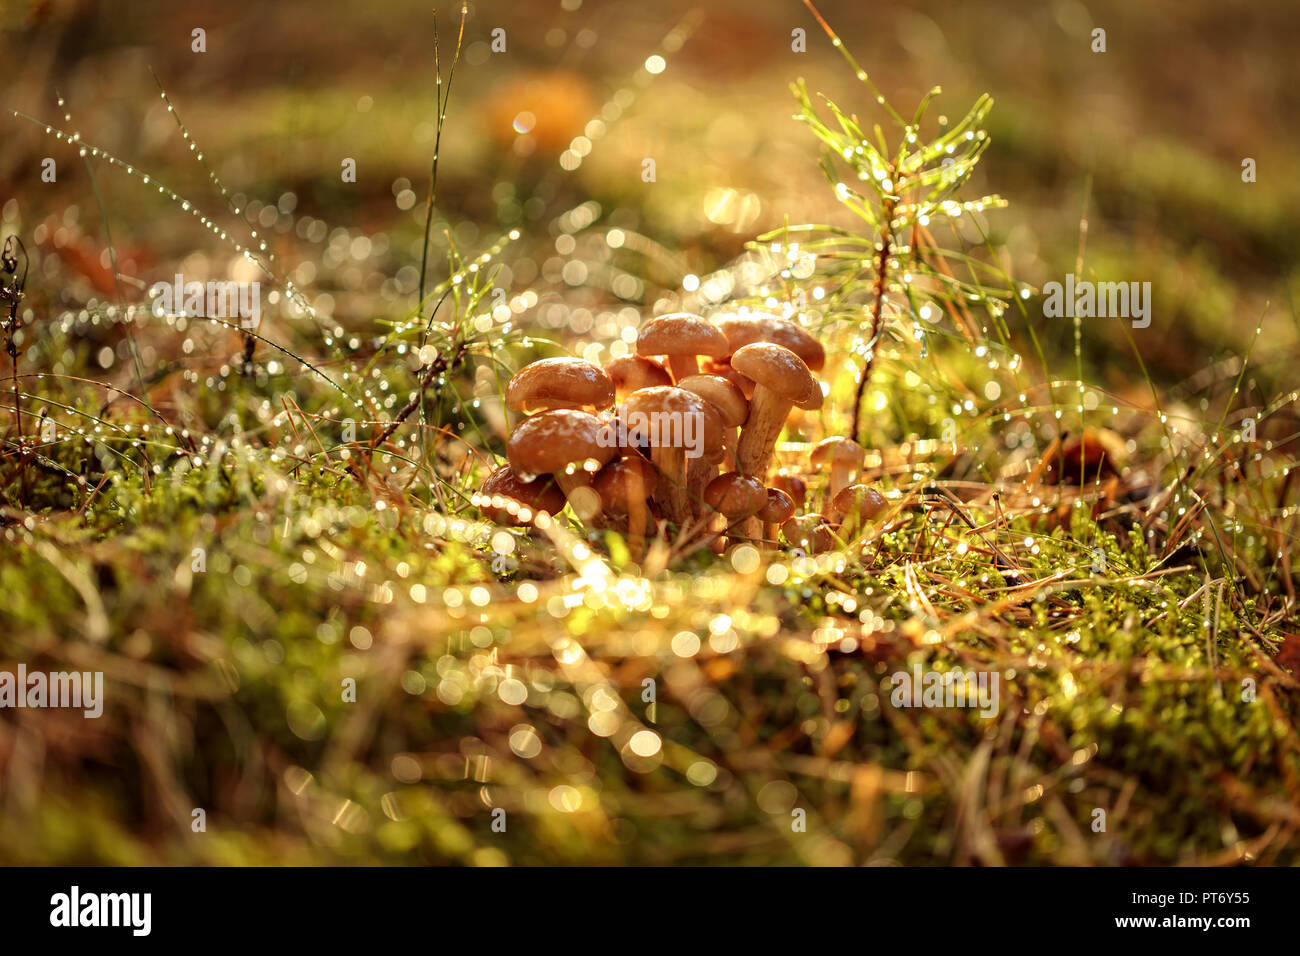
(699,472)
(507,500)
(625,487)
(811,532)
(778,509)
(569,444)
(843,457)
(858,506)
(560,383)
(631,373)
(667,419)
(742,330)
(781,380)
(722,368)
(792,485)
(736,497)
(723,395)
(683,337)
(732,405)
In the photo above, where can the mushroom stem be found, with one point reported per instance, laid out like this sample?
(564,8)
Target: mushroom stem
(623,488)
(682,366)
(841,478)
(699,472)
(735,499)
(569,483)
(732,440)
(767,414)
(584,504)
(673,493)
(638,516)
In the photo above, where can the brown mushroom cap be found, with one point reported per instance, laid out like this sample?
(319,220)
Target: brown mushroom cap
(778,369)
(503,487)
(722,367)
(735,495)
(811,532)
(679,403)
(681,333)
(632,372)
(838,450)
(727,398)
(792,485)
(778,508)
(625,482)
(742,330)
(559,442)
(560,383)
(860,503)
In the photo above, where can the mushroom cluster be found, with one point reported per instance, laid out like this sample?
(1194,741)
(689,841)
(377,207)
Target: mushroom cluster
(683,431)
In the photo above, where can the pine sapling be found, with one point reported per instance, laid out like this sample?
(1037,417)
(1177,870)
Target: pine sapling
(898,191)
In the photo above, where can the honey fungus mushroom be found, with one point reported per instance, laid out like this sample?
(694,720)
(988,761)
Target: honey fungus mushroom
(722,368)
(699,472)
(811,532)
(631,373)
(723,395)
(781,381)
(507,500)
(625,487)
(792,485)
(683,337)
(843,457)
(858,506)
(560,383)
(669,419)
(737,498)
(776,510)
(742,330)
(732,406)
(569,444)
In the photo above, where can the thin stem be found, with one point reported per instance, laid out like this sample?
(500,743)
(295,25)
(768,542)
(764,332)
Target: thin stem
(859,71)
(13,295)
(436,367)
(441,99)
(877,313)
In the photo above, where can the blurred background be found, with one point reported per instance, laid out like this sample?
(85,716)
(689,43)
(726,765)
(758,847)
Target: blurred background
(1145,141)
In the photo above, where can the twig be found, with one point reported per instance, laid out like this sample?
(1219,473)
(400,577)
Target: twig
(441,98)
(877,309)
